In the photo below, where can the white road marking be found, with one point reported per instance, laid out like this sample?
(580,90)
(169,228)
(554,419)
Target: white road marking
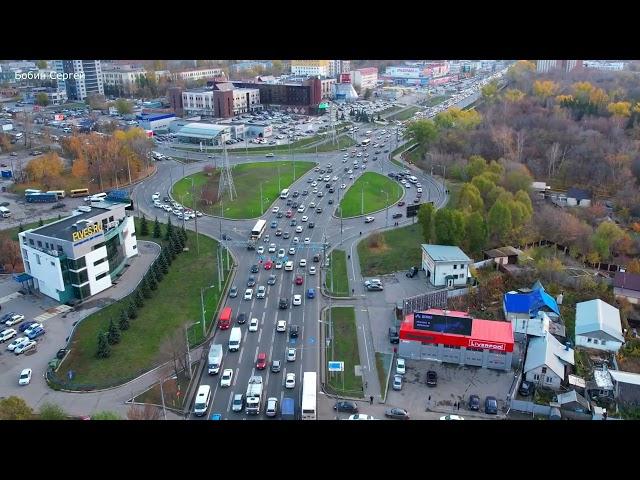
(235,378)
(364,338)
(259,335)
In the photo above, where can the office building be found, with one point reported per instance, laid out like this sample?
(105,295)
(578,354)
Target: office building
(336,67)
(307,68)
(198,74)
(546,66)
(224,101)
(81,78)
(365,78)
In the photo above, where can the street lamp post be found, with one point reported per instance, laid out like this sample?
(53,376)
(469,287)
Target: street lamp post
(186,334)
(202,289)
(387,194)
(193,196)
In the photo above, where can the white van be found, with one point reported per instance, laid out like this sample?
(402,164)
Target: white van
(4,212)
(203,398)
(234,339)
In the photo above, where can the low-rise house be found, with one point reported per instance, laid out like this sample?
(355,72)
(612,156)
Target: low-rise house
(573,402)
(445,265)
(598,326)
(523,309)
(577,197)
(626,387)
(546,361)
(503,255)
(627,285)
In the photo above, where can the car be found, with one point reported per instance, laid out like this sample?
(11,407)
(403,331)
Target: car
(17,318)
(312,270)
(397,413)
(272,248)
(311,225)
(227,376)
(412,272)
(299,229)
(271,409)
(293,222)
(283,304)
(288,267)
(290,381)
(299,280)
(275,209)
(401,366)
(451,417)
(261,361)
(291,354)
(238,403)
(397,382)
(281,326)
(16,343)
(297,300)
(393,335)
(343,186)
(296,240)
(254,267)
(275,366)
(401,204)
(289,214)
(360,416)
(7,334)
(303,262)
(261,292)
(330,201)
(248,294)
(25,347)
(268,265)
(346,406)
(274,224)
(432,378)
(526,388)
(301,209)
(281,253)
(396,215)
(304,218)
(35,332)
(305,193)
(251,282)
(474,402)
(253,325)
(25,377)
(491,405)
(269,155)
(272,279)
(292,250)
(369,219)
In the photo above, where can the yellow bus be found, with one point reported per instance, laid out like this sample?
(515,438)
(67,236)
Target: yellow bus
(59,193)
(79,192)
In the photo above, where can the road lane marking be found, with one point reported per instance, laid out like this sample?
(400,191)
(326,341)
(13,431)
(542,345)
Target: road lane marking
(364,337)
(230,399)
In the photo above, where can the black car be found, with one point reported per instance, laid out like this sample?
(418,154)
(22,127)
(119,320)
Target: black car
(386,151)
(327,185)
(432,378)
(61,353)
(316,257)
(274,224)
(166,199)
(474,402)
(25,325)
(242,318)
(293,222)
(252,281)
(346,406)
(330,201)
(289,202)
(413,271)
(284,304)
(393,336)
(293,331)
(295,205)
(285,235)
(296,194)
(491,405)
(311,225)
(305,192)
(254,268)
(278,232)
(526,388)
(331,190)
(279,215)
(396,215)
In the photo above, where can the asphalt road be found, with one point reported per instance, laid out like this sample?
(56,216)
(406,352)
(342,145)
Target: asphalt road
(307,315)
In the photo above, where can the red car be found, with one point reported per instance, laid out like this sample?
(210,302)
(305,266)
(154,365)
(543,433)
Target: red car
(400,204)
(261,364)
(268,265)
(289,214)
(299,279)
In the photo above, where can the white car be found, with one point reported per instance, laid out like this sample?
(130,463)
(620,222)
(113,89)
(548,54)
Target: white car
(314,184)
(290,381)
(25,347)
(292,251)
(272,248)
(299,229)
(304,218)
(296,240)
(303,262)
(301,209)
(314,191)
(312,270)
(278,265)
(291,354)
(452,417)
(7,334)
(288,267)
(281,253)
(360,416)
(307,240)
(419,190)
(25,377)
(369,219)
(157,204)
(13,320)
(400,366)
(269,155)
(281,326)
(297,299)
(343,186)
(261,292)
(16,343)
(312,205)
(227,376)
(334,179)
(260,250)
(253,325)
(32,327)
(350,171)
(275,209)
(155,196)
(248,294)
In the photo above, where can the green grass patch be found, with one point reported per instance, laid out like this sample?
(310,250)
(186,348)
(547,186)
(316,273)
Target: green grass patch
(454,192)
(433,101)
(367,194)
(337,280)
(343,348)
(400,149)
(247,178)
(390,110)
(390,251)
(174,304)
(383,363)
(173,389)
(404,114)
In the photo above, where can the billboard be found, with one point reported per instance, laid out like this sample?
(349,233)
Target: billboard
(58,117)
(404,72)
(345,78)
(442,323)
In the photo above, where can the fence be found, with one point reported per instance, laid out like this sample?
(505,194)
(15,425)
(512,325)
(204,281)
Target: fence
(530,407)
(484,263)
(426,301)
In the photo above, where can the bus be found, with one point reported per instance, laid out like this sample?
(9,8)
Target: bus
(284,193)
(59,193)
(309,396)
(258,230)
(224,321)
(365,142)
(30,191)
(79,192)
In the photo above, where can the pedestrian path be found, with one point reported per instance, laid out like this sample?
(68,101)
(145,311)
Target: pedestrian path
(52,312)
(11,296)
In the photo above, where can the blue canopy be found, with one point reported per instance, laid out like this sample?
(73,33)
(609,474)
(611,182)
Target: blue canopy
(530,302)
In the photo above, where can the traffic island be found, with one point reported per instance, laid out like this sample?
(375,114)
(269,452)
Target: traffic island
(371,192)
(336,278)
(342,346)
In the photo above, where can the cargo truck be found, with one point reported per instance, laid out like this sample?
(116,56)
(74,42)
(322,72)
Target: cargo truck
(254,395)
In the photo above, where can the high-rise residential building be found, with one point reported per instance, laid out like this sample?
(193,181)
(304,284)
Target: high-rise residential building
(310,67)
(81,78)
(545,66)
(336,67)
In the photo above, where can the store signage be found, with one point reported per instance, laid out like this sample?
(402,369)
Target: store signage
(336,366)
(86,232)
(487,345)
(442,323)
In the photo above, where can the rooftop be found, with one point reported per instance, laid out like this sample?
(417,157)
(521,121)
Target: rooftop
(548,351)
(201,130)
(530,302)
(625,377)
(63,229)
(596,315)
(502,252)
(578,194)
(603,379)
(446,253)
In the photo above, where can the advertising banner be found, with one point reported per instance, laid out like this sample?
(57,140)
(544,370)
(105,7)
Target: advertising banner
(442,323)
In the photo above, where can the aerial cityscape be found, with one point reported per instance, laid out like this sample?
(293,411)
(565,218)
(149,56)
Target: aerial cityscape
(319,240)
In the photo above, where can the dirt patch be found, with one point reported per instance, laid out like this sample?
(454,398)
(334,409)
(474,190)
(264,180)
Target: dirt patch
(629,364)
(377,244)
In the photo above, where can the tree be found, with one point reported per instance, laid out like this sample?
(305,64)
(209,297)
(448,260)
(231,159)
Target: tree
(513,95)
(123,323)
(9,252)
(634,266)
(476,166)
(139,299)
(523,197)
(113,334)
(449,226)
(518,180)
(41,64)
(123,107)
(106,415)
(20,228)
(42,99)
(367,94)
(545,89)
(169,231)
(157,270)
(51,411)
(132,310)
(470,199)
(145,287)
(164,263)
(604,237)
(499,221)
(151,280)
(104,349)
(80,168)
(476,231)
(40,222)
(144,412)
(183,235)
(157,230)
(422,131)
(426,218)
(490,92)
(15,408)
(144,226)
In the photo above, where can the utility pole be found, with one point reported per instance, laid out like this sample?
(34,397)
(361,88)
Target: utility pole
(261,207)
(186,334)
(164,409)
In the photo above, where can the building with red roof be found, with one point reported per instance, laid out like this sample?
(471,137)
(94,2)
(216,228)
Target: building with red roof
(456,337)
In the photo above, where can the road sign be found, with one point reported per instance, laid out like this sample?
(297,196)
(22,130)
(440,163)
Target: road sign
(336,366)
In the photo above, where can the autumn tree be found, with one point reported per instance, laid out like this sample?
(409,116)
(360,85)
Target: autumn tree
(45,170)
(9,252)
(476,166)
(476,232)
(15,408)
(604,237)
(426,215)
(42,99)
(124,107)
(469,198)
(458,118)
(144,412)
(513,95)
(52,411)
(422,131)
(490,92)
(449,226)
(545,89)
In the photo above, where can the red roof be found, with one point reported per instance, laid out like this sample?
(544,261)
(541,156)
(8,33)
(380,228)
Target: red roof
(368,70)
(492,330)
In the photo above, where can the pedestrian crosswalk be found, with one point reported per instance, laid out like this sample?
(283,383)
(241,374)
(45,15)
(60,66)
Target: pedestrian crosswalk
(52,312)
(11,296)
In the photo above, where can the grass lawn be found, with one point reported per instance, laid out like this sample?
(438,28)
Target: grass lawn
(342,349)
(247,178)
(432,101)
(170,388)
(401,148)
(390,251)
(390,110)
(338,274)
(405,114)
(174,304)
(373,185)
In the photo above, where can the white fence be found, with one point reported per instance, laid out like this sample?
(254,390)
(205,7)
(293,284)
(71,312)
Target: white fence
(484,263)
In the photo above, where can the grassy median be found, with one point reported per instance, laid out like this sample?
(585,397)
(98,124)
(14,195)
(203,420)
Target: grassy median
(344,348)
(367,194)
(247,178)
(390,251)
(404,114)
(337,280)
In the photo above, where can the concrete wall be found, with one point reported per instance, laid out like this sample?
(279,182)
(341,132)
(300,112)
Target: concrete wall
(592,341)
(417,351)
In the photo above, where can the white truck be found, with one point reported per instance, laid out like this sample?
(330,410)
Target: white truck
(234,339)
(254,395)
(215,358)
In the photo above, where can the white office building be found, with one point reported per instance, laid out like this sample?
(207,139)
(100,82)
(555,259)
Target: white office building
(445,265)
(81,78)
(79,256)
(198,74)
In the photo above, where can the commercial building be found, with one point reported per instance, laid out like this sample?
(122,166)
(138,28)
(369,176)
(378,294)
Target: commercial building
(344,91)
(224,101)
(546,66)
(79,256)
(198,74)
(598,326)
(174,95)
(79,78)
(155,121)
(310,67)
(364,78)
(405,75)
(445,265)
(456,337)
(604,65)
(55,96)
(124,78)
(241,67)
(201,132)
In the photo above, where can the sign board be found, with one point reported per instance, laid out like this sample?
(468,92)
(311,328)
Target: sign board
(118,195)
(442,323)
(58,117)
(345,78)
(323,105)
(336,366)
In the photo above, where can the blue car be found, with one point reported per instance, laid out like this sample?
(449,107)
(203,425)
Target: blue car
(216,416)
(311,293)
(26,325)
(36,333)
(7,316)
(274,224)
